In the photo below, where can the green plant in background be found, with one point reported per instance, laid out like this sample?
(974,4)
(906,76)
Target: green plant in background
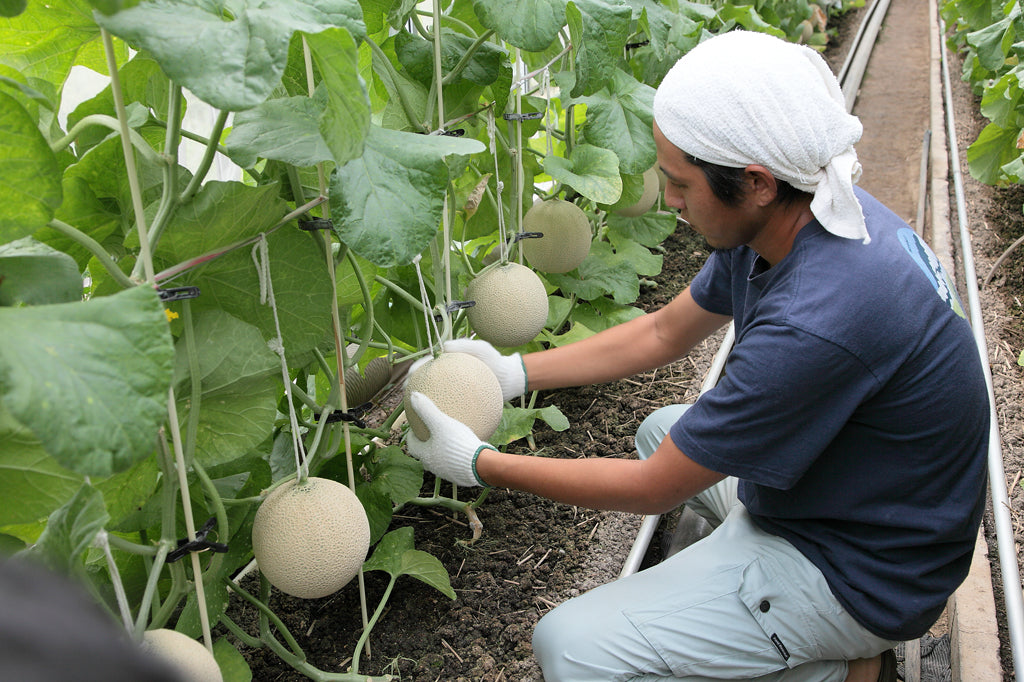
(990,36)
(389,155)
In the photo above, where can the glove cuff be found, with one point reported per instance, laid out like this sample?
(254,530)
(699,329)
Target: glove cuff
(476,475)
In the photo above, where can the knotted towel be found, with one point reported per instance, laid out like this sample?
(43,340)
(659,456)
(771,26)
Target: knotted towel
(743,98)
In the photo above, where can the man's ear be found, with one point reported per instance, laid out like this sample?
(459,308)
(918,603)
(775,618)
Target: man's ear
(762,187)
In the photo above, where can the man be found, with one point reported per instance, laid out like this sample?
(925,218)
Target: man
(841,457)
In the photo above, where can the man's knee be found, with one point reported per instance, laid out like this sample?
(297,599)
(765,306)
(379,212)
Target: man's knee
(564,642)
(552,638)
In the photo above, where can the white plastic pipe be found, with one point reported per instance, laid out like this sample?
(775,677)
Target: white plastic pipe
(997,477)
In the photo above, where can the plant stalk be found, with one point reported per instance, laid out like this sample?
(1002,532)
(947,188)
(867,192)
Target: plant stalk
(129,156)
(96,249)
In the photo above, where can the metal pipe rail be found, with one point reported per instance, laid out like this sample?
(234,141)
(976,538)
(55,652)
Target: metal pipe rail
(1006,548)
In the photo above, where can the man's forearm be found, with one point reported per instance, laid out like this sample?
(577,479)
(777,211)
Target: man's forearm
(643,343)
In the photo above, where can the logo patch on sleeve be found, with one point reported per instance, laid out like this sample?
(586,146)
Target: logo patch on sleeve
(932,268)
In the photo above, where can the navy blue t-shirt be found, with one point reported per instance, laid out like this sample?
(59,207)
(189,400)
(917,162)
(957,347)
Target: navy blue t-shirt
(853,409)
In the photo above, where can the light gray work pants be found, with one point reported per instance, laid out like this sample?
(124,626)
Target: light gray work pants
(740,604)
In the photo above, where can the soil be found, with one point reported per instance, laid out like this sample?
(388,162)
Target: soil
(533,553)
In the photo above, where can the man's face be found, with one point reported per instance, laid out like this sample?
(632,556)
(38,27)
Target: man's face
(687,189)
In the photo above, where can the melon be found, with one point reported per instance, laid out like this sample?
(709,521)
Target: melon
(511,305)
(463,387)
(647,199)
(362,387)
(188,656)
(310,538)
(566,240)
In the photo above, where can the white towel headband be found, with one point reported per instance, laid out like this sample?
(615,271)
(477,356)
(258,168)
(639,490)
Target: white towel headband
(743,98)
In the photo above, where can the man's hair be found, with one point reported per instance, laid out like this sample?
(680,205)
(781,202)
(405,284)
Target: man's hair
(728,184)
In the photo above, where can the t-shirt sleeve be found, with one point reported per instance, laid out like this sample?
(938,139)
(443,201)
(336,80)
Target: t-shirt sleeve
(710,288)
(784,396)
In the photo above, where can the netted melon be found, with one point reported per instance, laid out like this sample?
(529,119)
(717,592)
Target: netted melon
(186,655)
(566,240)
(461,386)
(511,305)
(310,538)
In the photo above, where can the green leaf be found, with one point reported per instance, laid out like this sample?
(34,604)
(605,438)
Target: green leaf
(591,171)
(400,88)
(602,313)
(620,117)
(387,204)
(240,378)
(142,81)
(577,332)
(32,273)
(302,293)
(89,214)
(225,213)
(48,38)
(601,273)
(529,24)
(1001,102)
(643,261)
(89,379)
(395,474)
(190,39)
(30,189)
(599,30)
(9,545)
(517,422)
(216,602)
(71,529)
(991,44)
(126,492)
(747,17)
(378,508)
(346,121)
(1014,170)
(387,556)
(286,129)
(113,6)
(395,555)
(417,56)
(349,291)
(232,664)
(32,484)
(649,229)
(220,214)
(994,148)
(12,8)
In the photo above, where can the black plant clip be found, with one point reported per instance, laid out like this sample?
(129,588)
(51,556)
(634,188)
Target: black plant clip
(200,544)
(526,235)
(453,306)
(528,116)
(353,415)
(454,132)
(178,293)
(314,224)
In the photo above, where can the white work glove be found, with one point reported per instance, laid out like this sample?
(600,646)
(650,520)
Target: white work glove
(509,369)
(452,448)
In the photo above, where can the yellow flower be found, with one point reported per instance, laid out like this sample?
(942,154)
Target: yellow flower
(171,315)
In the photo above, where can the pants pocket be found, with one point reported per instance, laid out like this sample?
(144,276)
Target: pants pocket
(783,617)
